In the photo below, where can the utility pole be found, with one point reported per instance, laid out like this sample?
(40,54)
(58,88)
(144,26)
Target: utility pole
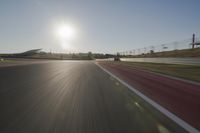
(193,40)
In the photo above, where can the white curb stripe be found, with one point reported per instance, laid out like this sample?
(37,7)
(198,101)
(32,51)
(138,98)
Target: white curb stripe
(175,118)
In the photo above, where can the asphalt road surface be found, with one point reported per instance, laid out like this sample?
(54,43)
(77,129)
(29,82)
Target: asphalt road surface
(179,96)
(73,97)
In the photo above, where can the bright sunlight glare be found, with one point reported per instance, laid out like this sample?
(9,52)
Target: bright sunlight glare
(65,34)
(66,45)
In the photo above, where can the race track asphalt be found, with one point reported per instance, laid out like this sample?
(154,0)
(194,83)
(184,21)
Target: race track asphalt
(73,97)
(178,96)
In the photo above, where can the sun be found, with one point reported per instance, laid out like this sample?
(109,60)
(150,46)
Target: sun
(65,32)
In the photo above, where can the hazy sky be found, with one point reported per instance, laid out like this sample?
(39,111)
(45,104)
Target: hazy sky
(101,25)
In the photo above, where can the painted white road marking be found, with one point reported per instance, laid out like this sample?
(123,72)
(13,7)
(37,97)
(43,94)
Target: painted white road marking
(172,116)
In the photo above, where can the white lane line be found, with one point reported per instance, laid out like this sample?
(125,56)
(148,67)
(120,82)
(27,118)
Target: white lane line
(172,116)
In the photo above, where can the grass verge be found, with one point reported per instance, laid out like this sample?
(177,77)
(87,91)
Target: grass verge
(189,72)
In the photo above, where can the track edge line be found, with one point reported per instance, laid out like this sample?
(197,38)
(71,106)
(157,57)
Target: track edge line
(166,112)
